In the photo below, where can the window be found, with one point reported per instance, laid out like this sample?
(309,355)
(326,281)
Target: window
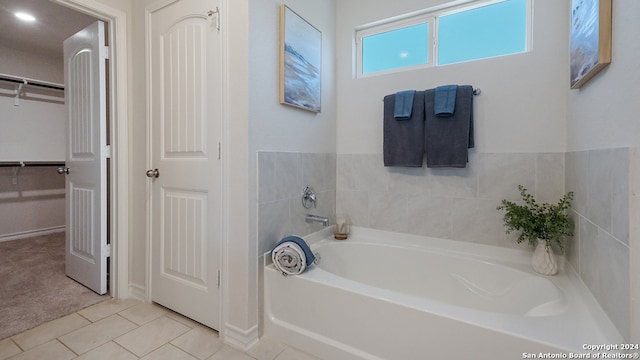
(404,47)
(478,30)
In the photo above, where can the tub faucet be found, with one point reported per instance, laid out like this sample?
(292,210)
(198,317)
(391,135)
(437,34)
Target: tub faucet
(310,218)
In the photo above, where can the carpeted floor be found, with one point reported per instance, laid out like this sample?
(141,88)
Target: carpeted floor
(33,286)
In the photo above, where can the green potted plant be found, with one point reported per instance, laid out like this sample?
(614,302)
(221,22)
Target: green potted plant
(541,225)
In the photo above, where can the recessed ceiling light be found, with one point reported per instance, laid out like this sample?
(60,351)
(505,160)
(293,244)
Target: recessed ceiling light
(25,17)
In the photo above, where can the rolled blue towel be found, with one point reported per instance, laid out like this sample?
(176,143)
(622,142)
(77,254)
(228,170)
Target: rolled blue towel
(404,105)
(310,258)
(445,100)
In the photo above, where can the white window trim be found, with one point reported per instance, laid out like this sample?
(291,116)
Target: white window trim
(430,16)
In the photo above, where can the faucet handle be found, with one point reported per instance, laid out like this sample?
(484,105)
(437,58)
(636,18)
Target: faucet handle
(308,197)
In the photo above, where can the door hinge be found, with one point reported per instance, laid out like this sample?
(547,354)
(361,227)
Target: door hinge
(107,250)
(107,151)
(215,16)
(219,150)
(104,52)
(218,278)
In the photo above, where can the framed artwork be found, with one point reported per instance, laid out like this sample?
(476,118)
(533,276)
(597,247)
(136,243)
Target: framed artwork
(590,39)
(300,61)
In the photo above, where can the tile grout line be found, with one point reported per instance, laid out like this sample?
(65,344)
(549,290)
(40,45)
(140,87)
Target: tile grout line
(65,345)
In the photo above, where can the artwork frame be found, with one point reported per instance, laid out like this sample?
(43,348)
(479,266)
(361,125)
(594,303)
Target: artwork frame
(300,62)
(590,39)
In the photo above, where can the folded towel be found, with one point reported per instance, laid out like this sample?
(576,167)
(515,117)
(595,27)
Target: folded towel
(447,140)
(292,255)
(403,143)
(404,105)
(445,100)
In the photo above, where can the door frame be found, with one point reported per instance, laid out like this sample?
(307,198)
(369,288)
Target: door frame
(119,134)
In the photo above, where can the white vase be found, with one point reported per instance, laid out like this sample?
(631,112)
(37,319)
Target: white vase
(543,260)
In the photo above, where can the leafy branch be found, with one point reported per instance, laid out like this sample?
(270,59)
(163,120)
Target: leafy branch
(548,222)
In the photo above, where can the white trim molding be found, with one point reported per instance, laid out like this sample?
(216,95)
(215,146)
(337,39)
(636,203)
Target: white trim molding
(32,233)
(241,339)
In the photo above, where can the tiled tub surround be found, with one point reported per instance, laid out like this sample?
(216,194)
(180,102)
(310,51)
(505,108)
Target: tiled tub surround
(600,248)
(460,204)
(281,179)
(457,204)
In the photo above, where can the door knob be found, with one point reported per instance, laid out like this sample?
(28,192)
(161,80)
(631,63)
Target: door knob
(153,173)
(63,170)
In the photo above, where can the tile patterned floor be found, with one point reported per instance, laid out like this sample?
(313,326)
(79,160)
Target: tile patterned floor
(130,330)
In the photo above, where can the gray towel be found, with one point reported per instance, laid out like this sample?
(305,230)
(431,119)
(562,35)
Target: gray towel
(403,143)
(447,140)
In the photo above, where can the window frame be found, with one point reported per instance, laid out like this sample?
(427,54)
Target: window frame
(430,16)
(391,26)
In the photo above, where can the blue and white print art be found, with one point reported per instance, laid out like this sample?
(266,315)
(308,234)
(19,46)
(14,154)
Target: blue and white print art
(301,62)
(586,42)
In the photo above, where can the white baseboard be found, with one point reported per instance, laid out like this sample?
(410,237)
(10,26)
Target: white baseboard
(32,233)
(138,292)
(240,339)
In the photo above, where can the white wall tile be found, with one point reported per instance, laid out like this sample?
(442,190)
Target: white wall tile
(549,177)
(614,285)
(388,211)
(599,188)
(369,173)
(353,205)
(500,175)
(273,224)
(266,176)
(601,182)
(589,255)
(430,216)
(621,194)
(452,182)
(572,244)
(319,171)
(576,170)
(288,175)
(477,220)
(409,181)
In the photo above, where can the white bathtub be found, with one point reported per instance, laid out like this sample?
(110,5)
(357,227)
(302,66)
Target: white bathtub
(382,295)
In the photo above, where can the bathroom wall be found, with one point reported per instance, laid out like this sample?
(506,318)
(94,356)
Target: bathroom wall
(288,147)
(523,105)
(519,121)
(281,177)
(602,140)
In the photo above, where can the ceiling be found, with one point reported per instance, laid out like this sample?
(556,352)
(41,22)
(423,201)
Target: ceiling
(53,24)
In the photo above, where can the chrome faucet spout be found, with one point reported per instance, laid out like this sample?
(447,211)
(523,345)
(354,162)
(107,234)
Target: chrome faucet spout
(310,218)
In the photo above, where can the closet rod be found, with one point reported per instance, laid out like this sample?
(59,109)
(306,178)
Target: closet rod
(30,163)
(32,82)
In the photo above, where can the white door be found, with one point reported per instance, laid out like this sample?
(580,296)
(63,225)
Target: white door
(86,158)
(185,224)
